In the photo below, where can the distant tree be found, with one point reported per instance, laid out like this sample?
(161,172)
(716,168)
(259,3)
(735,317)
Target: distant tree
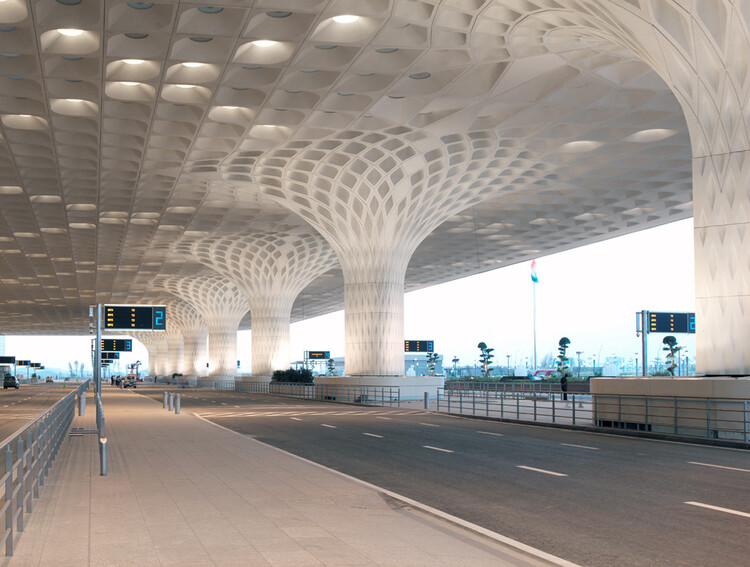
(672,349)
(331,367)
(563,370)
(455,361)
(432,358)
(70,367)
(485,358)
(548,360)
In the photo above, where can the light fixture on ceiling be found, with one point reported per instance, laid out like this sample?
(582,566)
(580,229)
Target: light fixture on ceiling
(264,42)
(129,83)
(345,19)
(193,64)
(185,86)
(133,61)
(70,32)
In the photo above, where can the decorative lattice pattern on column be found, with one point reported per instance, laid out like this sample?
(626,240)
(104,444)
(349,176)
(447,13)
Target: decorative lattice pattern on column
(175,347)
(194,333)
(375,196)
(222,306)
(270,269)
(158,351)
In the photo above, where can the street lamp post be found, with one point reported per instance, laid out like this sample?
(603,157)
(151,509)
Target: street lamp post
(579,353)
(508,357)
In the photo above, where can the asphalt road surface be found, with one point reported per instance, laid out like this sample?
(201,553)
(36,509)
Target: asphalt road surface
(596,500)
(19,407)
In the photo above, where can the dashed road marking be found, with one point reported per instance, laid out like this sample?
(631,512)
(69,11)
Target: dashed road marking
(580,446)
(296,419)
(718,467)
(719,509)
(373,435)
(381,417)
(429,425)
(437,449)
(541,471)
(489,433)
(329,426)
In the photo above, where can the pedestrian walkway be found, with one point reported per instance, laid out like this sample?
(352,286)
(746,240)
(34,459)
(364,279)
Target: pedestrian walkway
(183,491)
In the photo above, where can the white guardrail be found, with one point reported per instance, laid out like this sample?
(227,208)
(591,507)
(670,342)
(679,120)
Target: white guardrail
(29,453)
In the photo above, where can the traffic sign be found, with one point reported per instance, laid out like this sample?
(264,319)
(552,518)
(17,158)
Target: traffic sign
(131,317)
(23,363)
(117,345)
(419,346)
(319,354)
(110,355)
(671,322)
(7,360)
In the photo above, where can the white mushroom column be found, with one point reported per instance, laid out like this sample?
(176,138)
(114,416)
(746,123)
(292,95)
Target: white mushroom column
(700,49)
(194,334)
(270,269)
(374,197)
(175,347)
(222,306)
(158,352)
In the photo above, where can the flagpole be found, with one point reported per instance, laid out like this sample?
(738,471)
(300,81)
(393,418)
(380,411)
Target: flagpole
(533,287)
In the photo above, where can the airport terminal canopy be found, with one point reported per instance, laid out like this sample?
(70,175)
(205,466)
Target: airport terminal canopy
(320,154)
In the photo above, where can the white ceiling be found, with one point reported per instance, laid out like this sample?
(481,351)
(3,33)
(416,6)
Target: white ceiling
(134,142)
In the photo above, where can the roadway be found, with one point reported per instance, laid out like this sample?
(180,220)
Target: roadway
(593,499)
(19,407)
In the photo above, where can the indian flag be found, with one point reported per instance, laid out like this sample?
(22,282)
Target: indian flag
(534,276)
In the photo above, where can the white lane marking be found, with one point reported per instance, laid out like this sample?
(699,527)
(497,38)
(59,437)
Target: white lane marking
(329,426)
(223,403)
(719,509)
(580,446)
(489,433)
(437,449)
(236,406)
(718,466)
(429,425)
(541,471)
(380,417)
(296,419)
(373,435)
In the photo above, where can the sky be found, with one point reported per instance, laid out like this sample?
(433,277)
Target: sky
(590,295)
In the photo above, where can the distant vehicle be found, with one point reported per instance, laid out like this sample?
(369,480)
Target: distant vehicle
(49,380)
(128,381)
(10,382)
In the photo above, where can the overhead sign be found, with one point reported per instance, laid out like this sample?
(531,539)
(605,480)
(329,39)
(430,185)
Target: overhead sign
(110,356)
(36,365)
(117,345)
(23,363)
(319,354)
(671,322)
(135,317)
(7,359)
(419,346)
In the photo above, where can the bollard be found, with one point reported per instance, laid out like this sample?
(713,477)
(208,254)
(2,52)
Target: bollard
(103,456)
(165,400)
(171,401)
(82,403)
(177,404)
(427,400)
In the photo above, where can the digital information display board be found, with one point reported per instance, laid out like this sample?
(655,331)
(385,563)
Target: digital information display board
(131,317)
(319,354)
(110,356)
(23,363)
(419,346)
(671,322)
(7,359)
(116,345)
(36,365)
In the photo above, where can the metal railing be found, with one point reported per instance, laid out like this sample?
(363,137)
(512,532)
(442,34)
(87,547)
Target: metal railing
(368,395)
(29,453)
(710,418)
(579,386)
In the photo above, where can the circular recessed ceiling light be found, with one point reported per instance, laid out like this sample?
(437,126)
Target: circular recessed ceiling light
(326,46)
(193,64)
(387,49)
(278,14)
(68,2)
(129,83)
(264,42)
(210,9)
(345,19)
(74,100)
(133,61)
(230,107)
(70,32)
(136,35)
(185,86)
(141,5)
(71,58)
(422,75)
(201,39)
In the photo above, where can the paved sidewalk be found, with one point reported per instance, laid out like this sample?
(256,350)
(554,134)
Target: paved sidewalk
(182,491)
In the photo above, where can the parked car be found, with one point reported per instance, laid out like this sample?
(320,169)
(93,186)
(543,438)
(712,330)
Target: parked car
(128,381)
(49,380)
(10,382)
